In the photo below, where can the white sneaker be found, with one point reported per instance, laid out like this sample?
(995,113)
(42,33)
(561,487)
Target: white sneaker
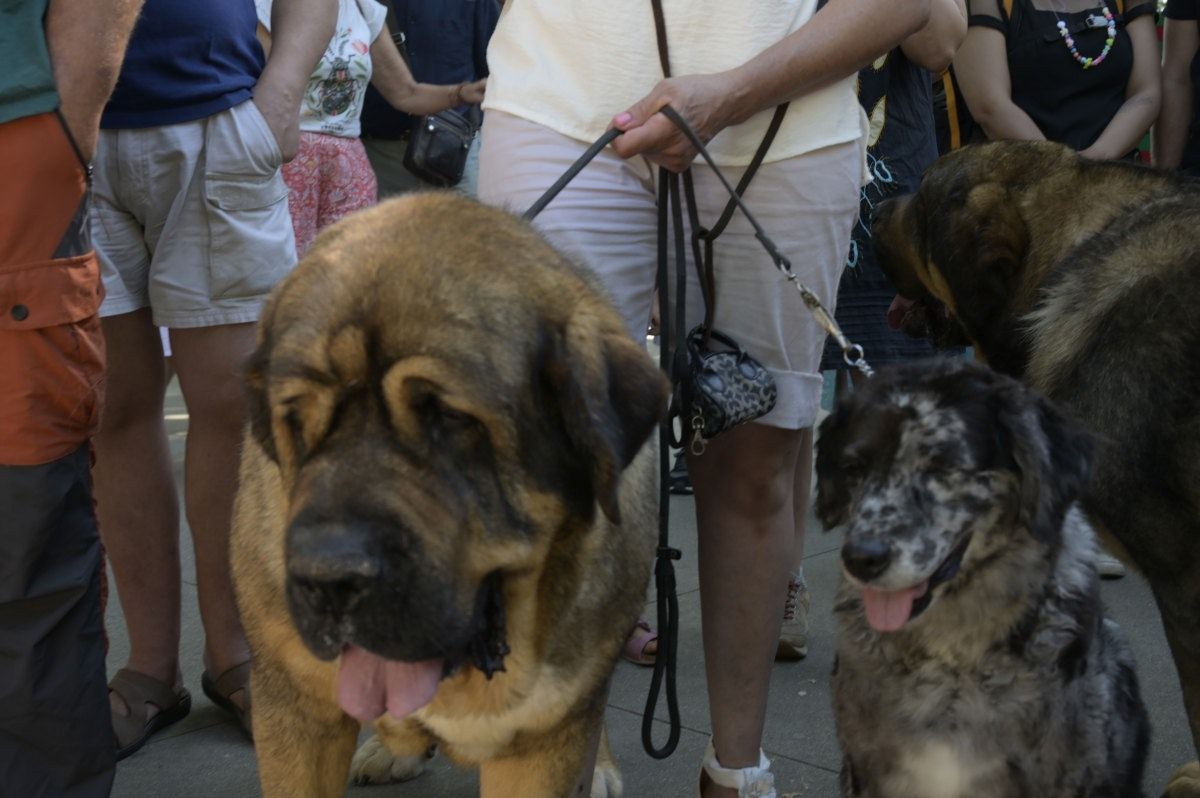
(1109,567)
(752,782)
(793,635)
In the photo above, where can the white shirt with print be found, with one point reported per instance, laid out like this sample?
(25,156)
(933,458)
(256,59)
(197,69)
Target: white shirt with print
(333,98)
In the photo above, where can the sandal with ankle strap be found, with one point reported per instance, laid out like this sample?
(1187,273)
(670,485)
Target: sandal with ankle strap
(137,690)
(220,689)
(751,782)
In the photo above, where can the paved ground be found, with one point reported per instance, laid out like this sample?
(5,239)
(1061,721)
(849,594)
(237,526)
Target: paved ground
(205,756)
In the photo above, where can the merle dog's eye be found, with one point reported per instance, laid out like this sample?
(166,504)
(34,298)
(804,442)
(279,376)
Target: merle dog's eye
(941,462)
(853,464)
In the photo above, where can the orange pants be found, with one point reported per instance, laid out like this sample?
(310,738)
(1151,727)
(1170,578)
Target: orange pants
(51,347)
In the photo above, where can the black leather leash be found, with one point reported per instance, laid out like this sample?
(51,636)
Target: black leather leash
(664,570)
(569,175)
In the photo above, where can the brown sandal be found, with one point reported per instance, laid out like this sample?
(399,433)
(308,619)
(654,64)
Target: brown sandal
(220,689)
(137,690)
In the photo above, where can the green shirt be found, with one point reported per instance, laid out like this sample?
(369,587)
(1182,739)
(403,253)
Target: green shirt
(26,81)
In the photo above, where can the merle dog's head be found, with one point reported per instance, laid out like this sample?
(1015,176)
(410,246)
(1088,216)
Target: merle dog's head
(937,470)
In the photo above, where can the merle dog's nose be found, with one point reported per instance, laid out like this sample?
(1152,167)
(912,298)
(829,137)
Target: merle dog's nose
(866,559)
(330,568)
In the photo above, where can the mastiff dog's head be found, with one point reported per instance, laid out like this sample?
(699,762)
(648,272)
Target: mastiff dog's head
(445,397)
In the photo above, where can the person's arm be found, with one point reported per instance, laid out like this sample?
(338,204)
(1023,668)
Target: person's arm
(934,45)
(1181,39)
(1143,94)
(300,33)
(981,72)
(840,39)
(86,51)
(391,76)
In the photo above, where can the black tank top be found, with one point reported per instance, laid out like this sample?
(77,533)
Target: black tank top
(1068,103)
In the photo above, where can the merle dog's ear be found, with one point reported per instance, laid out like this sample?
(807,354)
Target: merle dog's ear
(258,404)
(1001,235)
(610,395)
(832,505)
(1053,456)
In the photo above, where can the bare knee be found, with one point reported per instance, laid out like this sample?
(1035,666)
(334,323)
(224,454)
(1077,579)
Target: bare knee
(751,473)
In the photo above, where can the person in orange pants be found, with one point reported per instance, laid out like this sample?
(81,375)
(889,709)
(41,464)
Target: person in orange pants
(60,62)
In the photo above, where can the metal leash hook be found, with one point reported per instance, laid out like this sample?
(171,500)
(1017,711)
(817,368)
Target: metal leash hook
(851,353)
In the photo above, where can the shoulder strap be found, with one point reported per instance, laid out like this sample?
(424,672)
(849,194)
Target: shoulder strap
(951,92)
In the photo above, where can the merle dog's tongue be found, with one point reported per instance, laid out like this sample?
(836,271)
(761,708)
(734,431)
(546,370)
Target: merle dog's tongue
(888,610)
(368,685)
(896,312)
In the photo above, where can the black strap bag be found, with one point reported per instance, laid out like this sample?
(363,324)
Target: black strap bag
(438,145)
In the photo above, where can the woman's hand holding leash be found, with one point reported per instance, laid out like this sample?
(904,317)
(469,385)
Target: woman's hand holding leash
(705,101)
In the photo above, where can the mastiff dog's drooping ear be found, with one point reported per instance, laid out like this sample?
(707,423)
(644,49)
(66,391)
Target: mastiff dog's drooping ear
(447,508)
(1082,278)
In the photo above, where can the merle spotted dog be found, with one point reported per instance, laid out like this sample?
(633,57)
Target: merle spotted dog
(973,660)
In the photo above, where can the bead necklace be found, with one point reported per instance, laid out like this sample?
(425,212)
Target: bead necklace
(1084,61)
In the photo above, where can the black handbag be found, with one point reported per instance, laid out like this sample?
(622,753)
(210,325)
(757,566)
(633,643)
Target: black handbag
(438,145)
(724,387)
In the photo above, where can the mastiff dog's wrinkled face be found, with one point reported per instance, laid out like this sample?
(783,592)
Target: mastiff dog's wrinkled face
(436,428)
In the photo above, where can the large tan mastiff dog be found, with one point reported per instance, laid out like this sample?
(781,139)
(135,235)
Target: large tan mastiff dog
(444,525)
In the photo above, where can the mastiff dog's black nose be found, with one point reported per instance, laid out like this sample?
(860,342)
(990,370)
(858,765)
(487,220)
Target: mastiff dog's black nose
(331,567)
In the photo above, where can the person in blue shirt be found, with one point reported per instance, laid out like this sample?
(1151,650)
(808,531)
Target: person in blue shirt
(445,42)
(192,230)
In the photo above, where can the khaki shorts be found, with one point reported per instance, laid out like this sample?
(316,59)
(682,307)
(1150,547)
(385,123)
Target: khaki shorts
(191,220)
(606,218)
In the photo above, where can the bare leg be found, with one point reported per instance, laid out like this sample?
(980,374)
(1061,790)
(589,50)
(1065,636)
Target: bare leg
(210,362)
(135,497)
(746,524)
(800,495)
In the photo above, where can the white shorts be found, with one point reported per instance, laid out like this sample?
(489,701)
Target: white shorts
(191,220)
(606,219)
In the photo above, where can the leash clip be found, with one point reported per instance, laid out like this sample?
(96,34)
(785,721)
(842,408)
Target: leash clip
(699,442)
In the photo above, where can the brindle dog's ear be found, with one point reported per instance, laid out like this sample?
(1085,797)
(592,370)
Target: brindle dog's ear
(611,396)
(258,405)
(1053,455)
(1001,237)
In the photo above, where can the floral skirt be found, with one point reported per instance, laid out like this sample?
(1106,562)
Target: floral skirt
(329,178)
